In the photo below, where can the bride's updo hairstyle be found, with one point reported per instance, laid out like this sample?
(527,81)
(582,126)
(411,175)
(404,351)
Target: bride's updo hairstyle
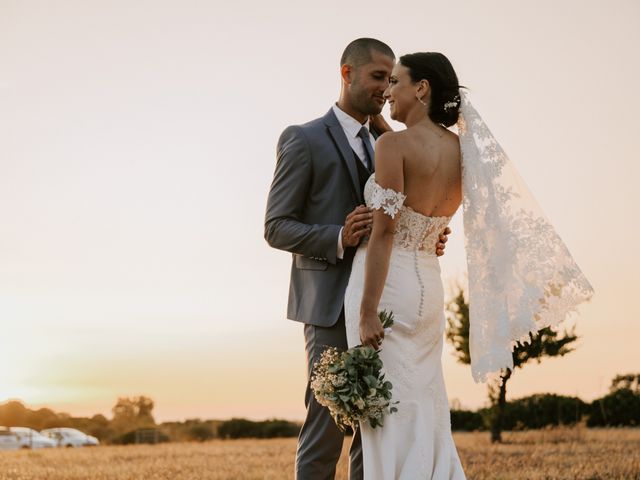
(438,71)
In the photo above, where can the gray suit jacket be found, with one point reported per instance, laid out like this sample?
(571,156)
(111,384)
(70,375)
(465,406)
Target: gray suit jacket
(315,186)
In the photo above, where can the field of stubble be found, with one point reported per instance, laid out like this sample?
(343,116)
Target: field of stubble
(549,454)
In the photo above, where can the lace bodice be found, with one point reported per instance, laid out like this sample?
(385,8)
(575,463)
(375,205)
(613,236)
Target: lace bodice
(414,231)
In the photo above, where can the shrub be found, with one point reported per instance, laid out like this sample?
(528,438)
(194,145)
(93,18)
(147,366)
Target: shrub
(616,409)
(466,420)
(242,428)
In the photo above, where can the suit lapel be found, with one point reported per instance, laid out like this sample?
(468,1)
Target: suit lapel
(342,144)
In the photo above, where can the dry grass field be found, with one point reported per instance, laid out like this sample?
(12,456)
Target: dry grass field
(548,454)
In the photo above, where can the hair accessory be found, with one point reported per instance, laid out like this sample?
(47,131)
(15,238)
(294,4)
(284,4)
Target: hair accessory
(455,103)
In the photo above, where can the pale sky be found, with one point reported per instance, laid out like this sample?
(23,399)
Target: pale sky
(138,146)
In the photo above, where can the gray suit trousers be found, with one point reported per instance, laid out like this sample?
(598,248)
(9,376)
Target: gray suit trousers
(320,441)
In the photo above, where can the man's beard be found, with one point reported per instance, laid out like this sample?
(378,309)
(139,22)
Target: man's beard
(376,109)
(368,106)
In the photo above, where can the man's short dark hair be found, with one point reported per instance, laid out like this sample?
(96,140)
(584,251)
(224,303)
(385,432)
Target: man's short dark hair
(359,51)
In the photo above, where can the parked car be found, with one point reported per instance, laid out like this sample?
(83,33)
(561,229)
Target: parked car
(8,439)
(70,437)
(30,438)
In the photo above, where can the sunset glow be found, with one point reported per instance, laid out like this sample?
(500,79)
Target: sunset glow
(138,151)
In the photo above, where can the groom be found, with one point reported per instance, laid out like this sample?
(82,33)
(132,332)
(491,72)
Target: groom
(316,211)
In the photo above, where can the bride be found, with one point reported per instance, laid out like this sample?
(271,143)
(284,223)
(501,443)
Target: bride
(521,276)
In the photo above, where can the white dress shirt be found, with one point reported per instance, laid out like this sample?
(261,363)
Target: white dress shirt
(351,127)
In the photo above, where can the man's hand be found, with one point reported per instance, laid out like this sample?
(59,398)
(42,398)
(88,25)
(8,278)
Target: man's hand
(357,225)
(440,246)
(379,124)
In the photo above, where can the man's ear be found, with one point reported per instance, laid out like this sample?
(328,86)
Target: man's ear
(346,72)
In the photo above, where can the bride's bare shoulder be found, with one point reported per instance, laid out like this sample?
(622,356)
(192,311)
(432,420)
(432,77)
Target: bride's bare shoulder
(404,142)
(399,141)
(391,136)
(452,140)
(390,141)
(390,151)
(450,135)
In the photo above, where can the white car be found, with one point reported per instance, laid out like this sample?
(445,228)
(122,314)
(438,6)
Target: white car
(70,437)
(30,438)
(8,439)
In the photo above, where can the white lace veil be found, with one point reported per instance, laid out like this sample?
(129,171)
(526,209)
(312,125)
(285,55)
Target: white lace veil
(521,276)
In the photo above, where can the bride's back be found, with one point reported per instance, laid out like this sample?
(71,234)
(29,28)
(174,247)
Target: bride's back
(432,174)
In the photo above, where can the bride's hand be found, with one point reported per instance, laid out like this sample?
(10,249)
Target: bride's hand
(444,238)
(371,331)
(379,124)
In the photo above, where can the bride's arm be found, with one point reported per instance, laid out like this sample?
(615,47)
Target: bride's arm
(389,175)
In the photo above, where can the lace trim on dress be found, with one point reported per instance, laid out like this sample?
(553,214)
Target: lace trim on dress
(386,199)
(413,230)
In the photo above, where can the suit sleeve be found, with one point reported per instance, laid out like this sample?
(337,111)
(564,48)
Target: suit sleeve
(283,228)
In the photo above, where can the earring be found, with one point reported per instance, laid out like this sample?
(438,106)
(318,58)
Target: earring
(420,100)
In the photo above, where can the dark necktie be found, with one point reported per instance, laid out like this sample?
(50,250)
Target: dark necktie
(368,150)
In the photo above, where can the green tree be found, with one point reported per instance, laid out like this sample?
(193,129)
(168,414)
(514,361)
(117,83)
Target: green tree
(130,413)
(621,406)
(144,408)
(630,381)
(545,343)
(13,414)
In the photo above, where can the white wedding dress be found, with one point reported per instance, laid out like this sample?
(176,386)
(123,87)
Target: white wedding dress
(415,442)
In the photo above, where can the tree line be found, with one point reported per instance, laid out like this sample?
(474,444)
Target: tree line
(134,415)
(618,408)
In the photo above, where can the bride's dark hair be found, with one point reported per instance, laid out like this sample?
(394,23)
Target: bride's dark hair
(438,71)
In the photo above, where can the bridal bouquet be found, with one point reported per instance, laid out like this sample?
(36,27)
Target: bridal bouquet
(351,384)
